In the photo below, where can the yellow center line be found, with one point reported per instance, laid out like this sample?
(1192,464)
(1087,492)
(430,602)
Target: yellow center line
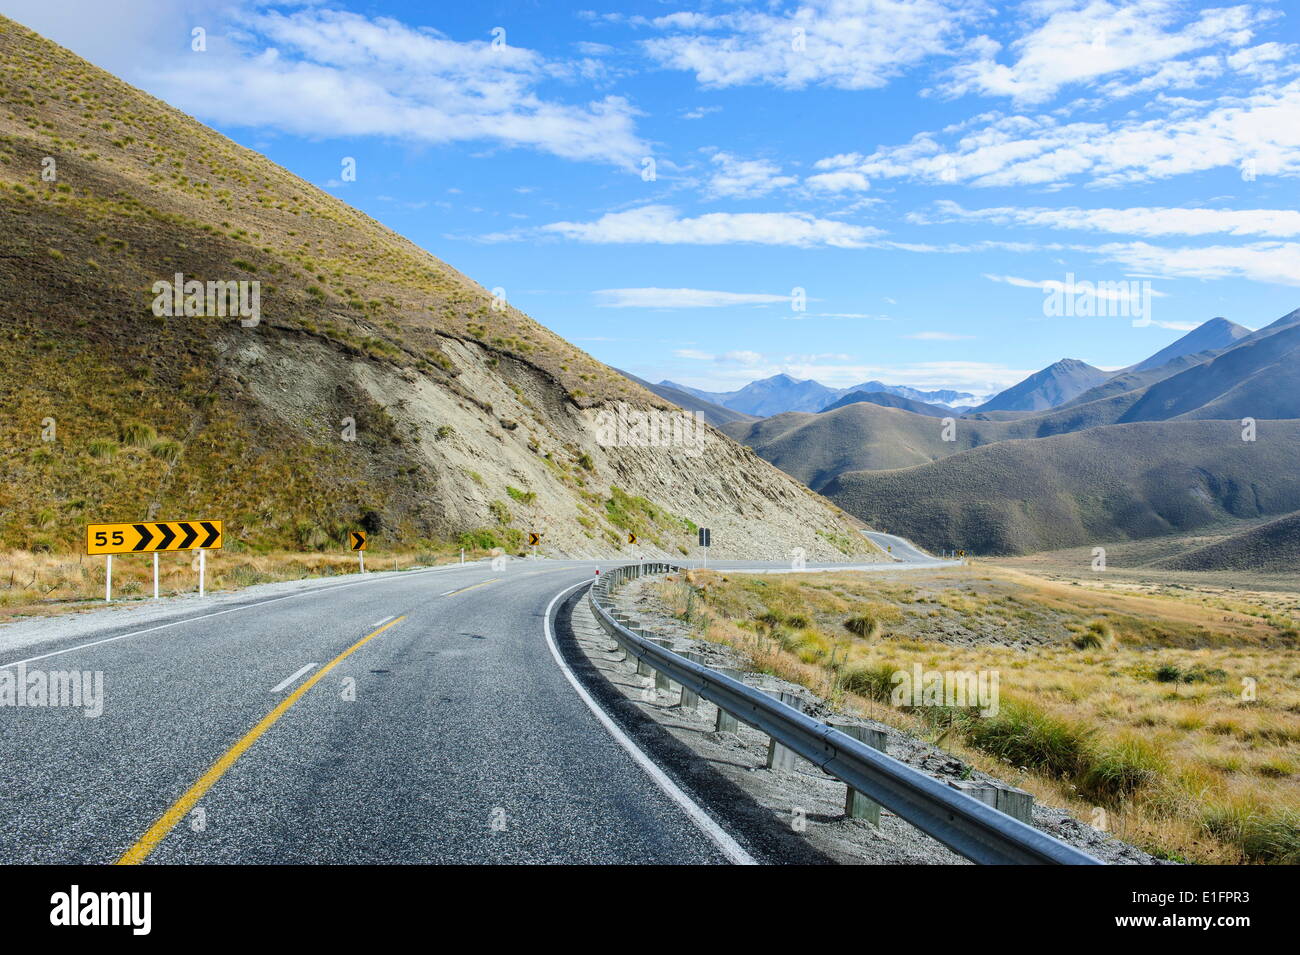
(472,586)
(159,830)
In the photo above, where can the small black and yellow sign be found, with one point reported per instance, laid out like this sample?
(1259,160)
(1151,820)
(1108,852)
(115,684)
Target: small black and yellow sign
(961,553)
(534,538)
(631,538)
(151,536)
(357,539)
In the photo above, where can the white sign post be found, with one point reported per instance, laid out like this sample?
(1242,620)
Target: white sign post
(155,575)
(203,566)
(108,578)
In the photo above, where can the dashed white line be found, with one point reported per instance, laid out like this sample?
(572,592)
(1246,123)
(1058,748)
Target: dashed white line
(706,823)
(293,677)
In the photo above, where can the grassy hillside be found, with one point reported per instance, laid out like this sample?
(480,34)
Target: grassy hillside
(468,418)
(1114,483)
(1272,547)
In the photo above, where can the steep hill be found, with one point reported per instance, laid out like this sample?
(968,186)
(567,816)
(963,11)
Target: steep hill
(1214,335)
(1110,483)
(1054,385)
(377,387)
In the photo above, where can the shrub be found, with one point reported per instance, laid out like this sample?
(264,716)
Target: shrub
(1024,735)
(479,539)
(166,450)
(874,681)
(137,434)
(864,625)
(1121,768)
(103,448)
(523,497)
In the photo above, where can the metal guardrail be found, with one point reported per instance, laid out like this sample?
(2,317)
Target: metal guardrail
(965,825)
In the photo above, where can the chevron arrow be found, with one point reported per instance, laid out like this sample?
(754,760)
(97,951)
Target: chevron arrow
(213,534)
(146,535)
(167,535)
(191,533)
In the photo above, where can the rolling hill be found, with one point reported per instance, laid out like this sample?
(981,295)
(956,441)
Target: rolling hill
(886,400)
(1272,547)
(376,386)
(1110,483)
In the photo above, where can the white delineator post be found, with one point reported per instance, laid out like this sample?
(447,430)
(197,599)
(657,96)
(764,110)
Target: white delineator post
(462,555)
(203,566)
(155,575)
(108,578)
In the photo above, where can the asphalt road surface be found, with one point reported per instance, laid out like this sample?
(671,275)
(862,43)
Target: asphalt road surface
(396,718)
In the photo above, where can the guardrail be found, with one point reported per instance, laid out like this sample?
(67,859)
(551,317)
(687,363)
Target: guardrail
(965,825)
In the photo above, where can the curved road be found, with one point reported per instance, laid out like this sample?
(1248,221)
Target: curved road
(399,717)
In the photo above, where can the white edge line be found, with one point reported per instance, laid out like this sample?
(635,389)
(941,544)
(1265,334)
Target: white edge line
(380,623)
(293,677)
(260,603)
(706,823)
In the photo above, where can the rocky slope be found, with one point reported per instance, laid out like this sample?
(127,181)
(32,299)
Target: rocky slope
(378,387)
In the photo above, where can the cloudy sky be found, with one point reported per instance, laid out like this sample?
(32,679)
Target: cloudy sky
(839,189)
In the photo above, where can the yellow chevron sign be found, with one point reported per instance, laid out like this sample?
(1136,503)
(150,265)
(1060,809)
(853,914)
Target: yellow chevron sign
(631,538)
(534,538)
(150,536)
(357,540)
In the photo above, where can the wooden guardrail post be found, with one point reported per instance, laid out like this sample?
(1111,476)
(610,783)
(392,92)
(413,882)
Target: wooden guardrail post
(779,756)
(1016,803)
(856,805)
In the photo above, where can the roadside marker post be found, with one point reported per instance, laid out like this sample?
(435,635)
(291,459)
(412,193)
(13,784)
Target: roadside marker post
(151,537)
(358,542)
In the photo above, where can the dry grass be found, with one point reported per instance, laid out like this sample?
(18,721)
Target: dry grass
(41,584)
(1133,706)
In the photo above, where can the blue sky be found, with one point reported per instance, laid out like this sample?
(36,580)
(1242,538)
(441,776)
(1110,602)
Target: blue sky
(918,167)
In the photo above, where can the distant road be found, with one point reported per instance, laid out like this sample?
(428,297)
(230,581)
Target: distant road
(902,548)
(399,717)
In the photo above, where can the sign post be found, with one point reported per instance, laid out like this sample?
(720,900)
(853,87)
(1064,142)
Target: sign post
(706,538)
(358,540)
(151,537)
(203,568)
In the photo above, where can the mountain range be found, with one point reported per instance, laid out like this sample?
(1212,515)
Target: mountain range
(781,393)
(1208,437)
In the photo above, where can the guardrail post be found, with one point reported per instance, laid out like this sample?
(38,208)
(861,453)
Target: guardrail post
(856,805)
(690,699)
(1016,803)
(779,756)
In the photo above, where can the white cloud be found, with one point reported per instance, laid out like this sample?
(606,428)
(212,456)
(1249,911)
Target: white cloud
(1078,41)
(736,178)
(938,337)
(317,72)
(693,354)
(996,150)
(843,181)
(663,225)
(1112,288)
(682,298)
(1147,221)
(1277,263)
(848,44)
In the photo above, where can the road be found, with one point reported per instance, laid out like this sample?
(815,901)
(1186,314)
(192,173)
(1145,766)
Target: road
(903,549)
(397,717)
